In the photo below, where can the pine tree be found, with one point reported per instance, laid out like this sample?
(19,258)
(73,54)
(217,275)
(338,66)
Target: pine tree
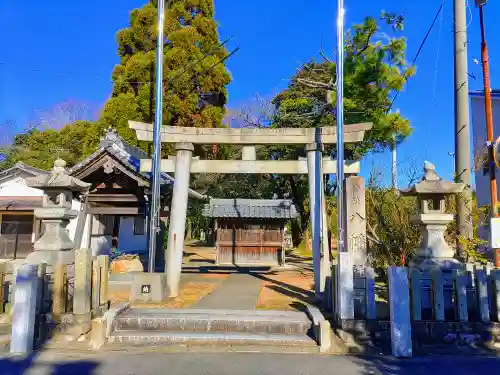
(192,66)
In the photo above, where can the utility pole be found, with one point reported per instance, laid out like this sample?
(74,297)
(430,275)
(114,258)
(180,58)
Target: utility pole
(462,130)
(489,119)
(154,220)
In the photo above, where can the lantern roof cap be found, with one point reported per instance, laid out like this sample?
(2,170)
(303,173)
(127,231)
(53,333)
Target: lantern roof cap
(432,185)
(58,179)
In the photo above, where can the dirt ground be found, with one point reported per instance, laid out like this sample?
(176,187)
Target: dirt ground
(281,288)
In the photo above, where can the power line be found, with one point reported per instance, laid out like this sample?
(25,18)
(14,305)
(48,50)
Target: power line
(436,68)
(73,76)
(184,68)
(419,50)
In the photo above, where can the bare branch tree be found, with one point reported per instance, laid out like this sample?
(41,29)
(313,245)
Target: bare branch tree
(392,236)
(257,112)
(62,114)
(316,84)
(7,130)
(325,57)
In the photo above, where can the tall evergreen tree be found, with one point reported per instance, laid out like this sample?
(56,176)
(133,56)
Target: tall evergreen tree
(375,69)
(192,66)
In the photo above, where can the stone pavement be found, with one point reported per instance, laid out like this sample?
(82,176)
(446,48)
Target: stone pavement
(237,292)
(116,363)
(206,286)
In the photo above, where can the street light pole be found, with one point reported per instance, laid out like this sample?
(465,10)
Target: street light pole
(156,172)
(340,126)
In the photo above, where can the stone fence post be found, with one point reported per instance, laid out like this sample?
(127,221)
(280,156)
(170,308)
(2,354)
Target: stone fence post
(26,299)
(399,307)
(83,286)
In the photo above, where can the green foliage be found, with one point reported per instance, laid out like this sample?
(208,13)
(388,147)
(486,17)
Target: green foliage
(392,237)
(190,52)
(114,253)
(255,186)
(375,69)
(39,148)
(472,248)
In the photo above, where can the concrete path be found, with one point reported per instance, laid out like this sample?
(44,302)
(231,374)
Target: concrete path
(123,363)
(238,292)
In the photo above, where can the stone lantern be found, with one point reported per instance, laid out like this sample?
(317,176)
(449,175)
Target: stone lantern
(59,188)
(432,220)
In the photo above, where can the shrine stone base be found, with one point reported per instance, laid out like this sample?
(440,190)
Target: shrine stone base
(148,287)
(427,264)
(51,257)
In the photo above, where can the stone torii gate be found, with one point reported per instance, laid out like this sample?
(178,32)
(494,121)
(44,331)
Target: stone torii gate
(183,164)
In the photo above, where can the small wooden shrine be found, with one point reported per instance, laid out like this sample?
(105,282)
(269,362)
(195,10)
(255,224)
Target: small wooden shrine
(250,232)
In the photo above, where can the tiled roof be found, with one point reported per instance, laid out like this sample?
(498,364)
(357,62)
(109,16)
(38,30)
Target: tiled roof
(251,208)
(20,166)
(129,156)
(495,94)
(20,203)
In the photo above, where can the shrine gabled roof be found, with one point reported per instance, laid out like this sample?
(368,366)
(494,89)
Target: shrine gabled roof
(251,208)
(127,155)
(20,203)
(21,167)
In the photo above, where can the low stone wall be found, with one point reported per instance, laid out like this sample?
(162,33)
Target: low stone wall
(427,336)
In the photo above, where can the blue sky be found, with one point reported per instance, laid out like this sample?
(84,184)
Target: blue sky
(65,50)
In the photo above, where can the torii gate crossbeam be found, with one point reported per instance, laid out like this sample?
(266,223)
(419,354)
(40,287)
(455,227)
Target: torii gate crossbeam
(184,164)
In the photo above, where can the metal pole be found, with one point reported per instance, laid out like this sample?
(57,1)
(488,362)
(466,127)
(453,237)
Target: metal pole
(489,124)
(394,168)
(156,172)
(340,125)
(462,130)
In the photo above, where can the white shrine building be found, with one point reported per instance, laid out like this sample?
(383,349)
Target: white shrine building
(481,167)
(113,215)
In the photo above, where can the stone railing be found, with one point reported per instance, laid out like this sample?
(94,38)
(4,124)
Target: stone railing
(419,310)
(67,298)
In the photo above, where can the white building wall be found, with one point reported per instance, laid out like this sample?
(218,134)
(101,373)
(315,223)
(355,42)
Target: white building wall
(479,141)
(76,206)
(100,245)
(127,240)
(17,188)
(482,179)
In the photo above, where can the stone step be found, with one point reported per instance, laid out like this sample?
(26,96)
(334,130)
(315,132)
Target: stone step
(5,335)
(213,321)
(4,343)
(5,329)
(274,313)
(211,339)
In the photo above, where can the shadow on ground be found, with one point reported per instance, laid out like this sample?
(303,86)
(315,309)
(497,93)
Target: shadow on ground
(292,291)
(28,365)
(427,365)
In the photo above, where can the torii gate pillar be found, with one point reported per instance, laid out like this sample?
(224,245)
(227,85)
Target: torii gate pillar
(177,227)
(320,249)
